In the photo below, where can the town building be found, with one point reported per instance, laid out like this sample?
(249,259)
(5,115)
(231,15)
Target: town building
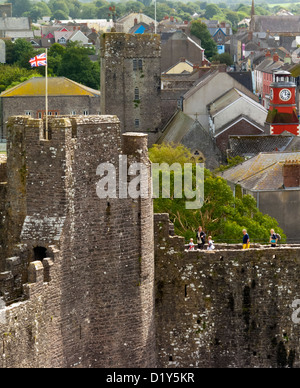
(235,113)
(176,45)
(15,28)
(65,97)
(283,114)
(127,22)
(220,33)
(264,76)
(208,89)
(131,81)
(182,129)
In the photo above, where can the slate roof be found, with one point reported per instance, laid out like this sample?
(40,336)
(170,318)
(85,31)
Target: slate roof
(279,24)
(261,173)
(14,24)
(249,146)
(268,65)
(182,129)
(176,128)
(243,77)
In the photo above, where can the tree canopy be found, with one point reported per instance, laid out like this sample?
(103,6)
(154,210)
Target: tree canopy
(72,61)
(200,30)
(223,216)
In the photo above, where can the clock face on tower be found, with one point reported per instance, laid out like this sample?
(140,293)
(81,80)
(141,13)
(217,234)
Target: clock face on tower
(285,95)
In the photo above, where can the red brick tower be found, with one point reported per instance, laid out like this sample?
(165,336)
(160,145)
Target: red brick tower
(282,114)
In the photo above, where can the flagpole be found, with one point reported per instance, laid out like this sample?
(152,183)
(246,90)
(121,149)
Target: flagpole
(46,76)
(155,28)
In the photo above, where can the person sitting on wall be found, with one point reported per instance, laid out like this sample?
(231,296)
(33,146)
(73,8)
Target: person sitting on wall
(273,238)
(246,240)
(200,238)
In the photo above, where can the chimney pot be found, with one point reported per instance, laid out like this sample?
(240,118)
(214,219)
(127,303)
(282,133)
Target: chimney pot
(275,57)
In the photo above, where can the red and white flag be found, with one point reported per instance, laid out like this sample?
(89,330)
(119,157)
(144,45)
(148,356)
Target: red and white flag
(39,60)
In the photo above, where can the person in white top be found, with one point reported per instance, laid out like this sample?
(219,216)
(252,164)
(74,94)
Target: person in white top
(191,245)
(211,246)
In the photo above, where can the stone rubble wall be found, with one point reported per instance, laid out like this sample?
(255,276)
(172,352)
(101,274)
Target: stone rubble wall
(227,308)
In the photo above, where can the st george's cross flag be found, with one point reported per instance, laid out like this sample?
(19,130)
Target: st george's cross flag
(39,60)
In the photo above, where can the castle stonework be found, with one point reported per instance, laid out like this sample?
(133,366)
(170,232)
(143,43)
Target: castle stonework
(131,81)
(79,281)
(225,309)
(90,282)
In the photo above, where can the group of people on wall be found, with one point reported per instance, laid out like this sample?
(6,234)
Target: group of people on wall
(201,240)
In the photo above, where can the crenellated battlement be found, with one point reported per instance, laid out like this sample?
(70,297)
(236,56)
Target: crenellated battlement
(98,281)
(230,308)
(61,275)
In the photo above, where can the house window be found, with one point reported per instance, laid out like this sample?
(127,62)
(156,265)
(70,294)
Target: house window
(136,94)
(41,113)
(73,113)
(134,65)
(28,113)
(137,123)
(137,64)
(86,113)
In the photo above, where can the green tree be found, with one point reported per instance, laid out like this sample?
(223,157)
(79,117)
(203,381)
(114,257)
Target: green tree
(55,55)
(223,58)
(59,5)
(19,53)
(13,75)
(76,65)
(145,2)
(200,30)
(222,215)
(232,17)
(211,10)
(20,6)
(37,11)
(88,11)
(74,7)
(60,15)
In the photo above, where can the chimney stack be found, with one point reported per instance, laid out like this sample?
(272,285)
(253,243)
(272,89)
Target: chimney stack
(275,57)
(291,174)
(268,54)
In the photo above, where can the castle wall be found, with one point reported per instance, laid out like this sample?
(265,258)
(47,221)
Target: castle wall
(119,81)
(2,220)
(90,301)
(229,308)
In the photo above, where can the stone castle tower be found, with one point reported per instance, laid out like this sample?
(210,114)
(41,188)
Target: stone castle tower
(130,81)
(77,271)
